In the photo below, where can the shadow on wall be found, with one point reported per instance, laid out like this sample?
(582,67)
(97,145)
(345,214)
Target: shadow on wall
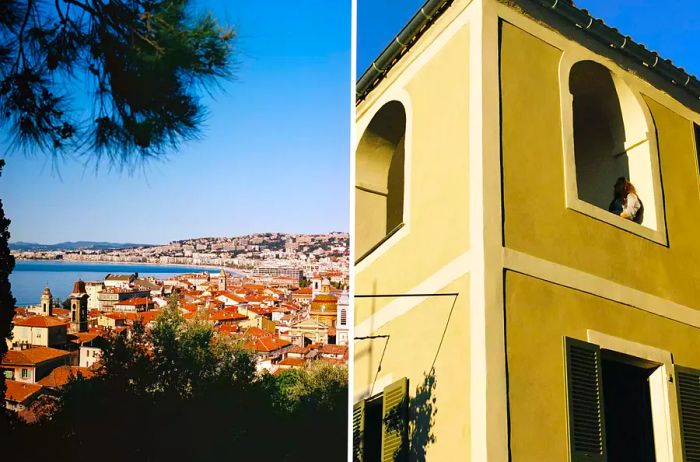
(418,427)
(422,410)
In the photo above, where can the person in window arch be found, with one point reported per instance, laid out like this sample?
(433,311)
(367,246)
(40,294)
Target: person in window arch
(618,195)
(632,207)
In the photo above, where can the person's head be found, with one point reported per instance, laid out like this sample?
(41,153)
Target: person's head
(629,188)
(620,187)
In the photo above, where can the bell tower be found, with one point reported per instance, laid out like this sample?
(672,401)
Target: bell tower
(78,307)
(46,302)
(316,281)
(222,280)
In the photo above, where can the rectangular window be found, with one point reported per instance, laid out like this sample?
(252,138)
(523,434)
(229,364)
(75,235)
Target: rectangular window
(628,413)
(610,404)
(25,373)
(380,425)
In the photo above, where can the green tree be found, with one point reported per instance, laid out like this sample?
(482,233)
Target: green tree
(146,61)
(7,301)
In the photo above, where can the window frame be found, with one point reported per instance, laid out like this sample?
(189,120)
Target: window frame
(362,123)
(387,404)
(573,202)
(662,388)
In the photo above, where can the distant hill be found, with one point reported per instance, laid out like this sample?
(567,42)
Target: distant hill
(79,245)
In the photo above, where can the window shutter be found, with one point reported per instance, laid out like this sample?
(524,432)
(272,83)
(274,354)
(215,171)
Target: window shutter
(395,421)
(585,395)
(688,383)
(358,428)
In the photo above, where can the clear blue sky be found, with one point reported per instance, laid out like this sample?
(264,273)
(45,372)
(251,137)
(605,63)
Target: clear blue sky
(672,27)
(273,156)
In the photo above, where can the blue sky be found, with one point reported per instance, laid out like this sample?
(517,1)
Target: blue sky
(273,155)
(671,28)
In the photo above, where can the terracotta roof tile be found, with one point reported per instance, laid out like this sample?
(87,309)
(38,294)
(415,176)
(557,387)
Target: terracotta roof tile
(33,356)
(334,349)
(136,301)
(265,344)
(63,374)
(19,392)
(292,362)
(38,321)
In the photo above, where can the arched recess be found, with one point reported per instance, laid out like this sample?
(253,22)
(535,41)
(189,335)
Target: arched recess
(613,136)
(379,178)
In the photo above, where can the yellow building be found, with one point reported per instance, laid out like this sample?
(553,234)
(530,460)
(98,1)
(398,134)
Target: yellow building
(502,311)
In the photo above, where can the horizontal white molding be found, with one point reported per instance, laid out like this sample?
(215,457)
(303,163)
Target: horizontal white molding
(400,306)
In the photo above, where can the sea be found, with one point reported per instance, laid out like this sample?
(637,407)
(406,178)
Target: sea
(30,277)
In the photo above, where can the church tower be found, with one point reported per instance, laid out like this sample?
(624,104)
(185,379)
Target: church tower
(316,281)
(78,307)
(46,302)
(222,280)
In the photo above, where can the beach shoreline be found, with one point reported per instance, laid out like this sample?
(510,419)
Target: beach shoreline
(239,272)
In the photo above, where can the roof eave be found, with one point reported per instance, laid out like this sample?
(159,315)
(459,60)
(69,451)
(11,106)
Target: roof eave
(671,76)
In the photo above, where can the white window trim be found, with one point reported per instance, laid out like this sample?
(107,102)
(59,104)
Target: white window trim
(402,96)
(658,235)
(664,399)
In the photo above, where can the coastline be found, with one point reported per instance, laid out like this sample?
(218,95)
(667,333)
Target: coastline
(238,272)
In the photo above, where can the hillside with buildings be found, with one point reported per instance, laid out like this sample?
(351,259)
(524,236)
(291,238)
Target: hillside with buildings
(263,254)
(282,325)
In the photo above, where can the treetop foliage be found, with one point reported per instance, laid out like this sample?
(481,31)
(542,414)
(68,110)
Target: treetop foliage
(178,392)
(141,64)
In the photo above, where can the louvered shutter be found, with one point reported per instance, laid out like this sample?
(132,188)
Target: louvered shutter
(395,421)
(585,394)
(358,428)
(688,383)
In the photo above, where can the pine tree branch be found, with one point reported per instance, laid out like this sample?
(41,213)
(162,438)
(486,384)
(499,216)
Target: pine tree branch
(83,6)
(20,36)
(58,10)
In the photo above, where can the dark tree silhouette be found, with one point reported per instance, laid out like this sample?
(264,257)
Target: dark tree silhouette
(180,392)
(7,301)
(136,66)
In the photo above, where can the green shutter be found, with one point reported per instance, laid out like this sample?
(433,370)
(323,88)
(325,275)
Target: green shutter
(358,428)
(688,384)
(395,421)
(585,395)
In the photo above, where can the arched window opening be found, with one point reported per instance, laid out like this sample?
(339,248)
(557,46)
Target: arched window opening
(611,138)
(379,187)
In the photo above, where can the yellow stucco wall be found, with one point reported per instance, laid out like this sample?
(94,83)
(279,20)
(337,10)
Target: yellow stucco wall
(438,199)
(537,221)
(436,233)
(538,317)
(414,344)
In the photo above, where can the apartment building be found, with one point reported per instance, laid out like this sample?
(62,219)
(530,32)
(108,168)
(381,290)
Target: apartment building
(502,311)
